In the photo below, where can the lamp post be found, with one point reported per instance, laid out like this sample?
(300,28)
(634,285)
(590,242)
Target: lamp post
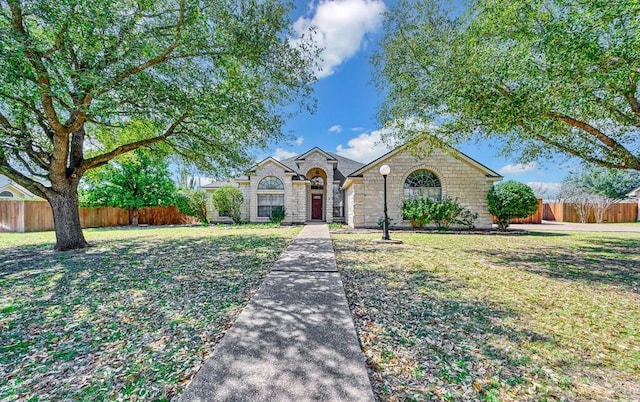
(384,171)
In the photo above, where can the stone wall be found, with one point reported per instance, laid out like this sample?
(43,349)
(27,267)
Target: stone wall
(458,178)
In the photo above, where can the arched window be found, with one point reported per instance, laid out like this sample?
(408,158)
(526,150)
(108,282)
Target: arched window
(6,194)
(270,196)
(423,183)
(270,183)
(317,183)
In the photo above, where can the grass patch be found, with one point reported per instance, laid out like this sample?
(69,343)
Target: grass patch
(482,317)
(134,316)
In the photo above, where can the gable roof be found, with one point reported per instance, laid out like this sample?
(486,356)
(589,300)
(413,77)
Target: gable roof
(312,150)
(274,161)
(634,193)
(343,168)
(7,184)
(456,154)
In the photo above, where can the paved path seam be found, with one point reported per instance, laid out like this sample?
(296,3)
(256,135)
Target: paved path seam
(295,340)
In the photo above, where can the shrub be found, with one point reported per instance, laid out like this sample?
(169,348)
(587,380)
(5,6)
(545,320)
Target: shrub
(229,199)
(511,200)
(277,215)
(422,210)
(192,203)
(380,223)
(417,211)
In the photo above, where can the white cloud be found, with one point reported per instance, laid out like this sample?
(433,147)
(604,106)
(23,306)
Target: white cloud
(299,140)
(364,148)
(518,168)
(357,129)
(340,28)
(335,128)
(281,154)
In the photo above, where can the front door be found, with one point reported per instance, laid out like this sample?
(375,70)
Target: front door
(316,206)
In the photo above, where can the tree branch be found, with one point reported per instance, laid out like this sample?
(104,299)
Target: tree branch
(44,83)
(629,160)
(149,63)
(106,157)
(58,43)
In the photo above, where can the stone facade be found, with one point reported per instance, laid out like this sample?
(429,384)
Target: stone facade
(460,178)
(361,186)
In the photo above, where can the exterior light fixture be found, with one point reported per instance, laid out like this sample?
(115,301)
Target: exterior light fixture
(384,171)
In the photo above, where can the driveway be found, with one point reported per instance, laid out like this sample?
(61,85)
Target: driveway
(578,227)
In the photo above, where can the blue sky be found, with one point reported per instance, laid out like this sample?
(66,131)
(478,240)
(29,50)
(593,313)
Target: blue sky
(345,120)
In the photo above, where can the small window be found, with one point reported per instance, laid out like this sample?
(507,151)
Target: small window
(6,194)
(270,183)
(223,214)
(317,183)
(338,202)
(270,203)
(423,183)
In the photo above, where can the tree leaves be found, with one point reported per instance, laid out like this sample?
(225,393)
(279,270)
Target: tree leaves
(538,77)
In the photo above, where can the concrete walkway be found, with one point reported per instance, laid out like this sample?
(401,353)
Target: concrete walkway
(295,340)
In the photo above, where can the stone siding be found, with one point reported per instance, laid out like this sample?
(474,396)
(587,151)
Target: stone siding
(458,180)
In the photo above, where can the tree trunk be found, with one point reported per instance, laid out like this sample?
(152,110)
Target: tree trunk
(134,216)
(66,219)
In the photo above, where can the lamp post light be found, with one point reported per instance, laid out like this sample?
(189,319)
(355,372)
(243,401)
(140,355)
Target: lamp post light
(384,171)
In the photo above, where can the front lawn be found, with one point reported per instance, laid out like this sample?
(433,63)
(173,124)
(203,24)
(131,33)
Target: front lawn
(539,317)
(132,317)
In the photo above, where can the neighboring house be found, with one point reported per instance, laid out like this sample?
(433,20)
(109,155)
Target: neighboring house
(9,189)
(635,194)
(323,186)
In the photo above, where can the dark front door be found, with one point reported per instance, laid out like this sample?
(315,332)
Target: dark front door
(316,206)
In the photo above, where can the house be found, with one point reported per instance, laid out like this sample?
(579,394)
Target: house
(10,190)
(323,186)
(635,194)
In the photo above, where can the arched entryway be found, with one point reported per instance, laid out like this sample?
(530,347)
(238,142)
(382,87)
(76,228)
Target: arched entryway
(317,193)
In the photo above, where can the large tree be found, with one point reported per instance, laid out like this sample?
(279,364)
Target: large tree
(206,78)
(131,182)
(537,77)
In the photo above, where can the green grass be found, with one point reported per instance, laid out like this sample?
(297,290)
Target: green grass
(494,317)
(134,316)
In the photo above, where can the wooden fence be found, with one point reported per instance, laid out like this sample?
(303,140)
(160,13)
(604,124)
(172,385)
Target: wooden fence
(36,216)
(566,212)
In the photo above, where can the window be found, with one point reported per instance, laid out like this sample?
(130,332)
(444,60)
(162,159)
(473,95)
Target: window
(6,194)
(222,213)
(270,183)
(270,203)
(317,183)
(270,196)
(423,183)
(338,202)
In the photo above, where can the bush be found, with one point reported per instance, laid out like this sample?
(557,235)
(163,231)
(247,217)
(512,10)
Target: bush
(192,203)
(380,223)
(422,210)
(278,215)
(229,199)
(511,200)
(417,211)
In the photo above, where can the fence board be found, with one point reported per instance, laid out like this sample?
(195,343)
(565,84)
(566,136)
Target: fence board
(36,216)
(565,212)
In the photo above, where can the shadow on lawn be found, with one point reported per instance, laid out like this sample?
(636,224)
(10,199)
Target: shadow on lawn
(407,314)
(126,316)
(610,260)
